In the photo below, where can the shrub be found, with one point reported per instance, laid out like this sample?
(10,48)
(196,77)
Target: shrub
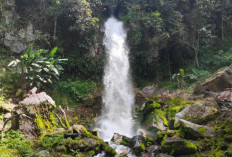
(37,67)
(16,143)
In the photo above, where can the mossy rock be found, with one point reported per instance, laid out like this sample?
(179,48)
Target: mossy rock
(178,146)
(139,149)
(108,150)
(125,141)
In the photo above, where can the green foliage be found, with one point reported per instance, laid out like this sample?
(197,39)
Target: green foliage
(182,72)
(35,69)
(75,89)
(50,142)
(14,140)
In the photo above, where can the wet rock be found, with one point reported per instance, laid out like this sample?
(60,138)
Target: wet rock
(199,114)
(137,144)
(153,150)
(117,138)
(224,100)
(194,131)
(178,146)
(220,82)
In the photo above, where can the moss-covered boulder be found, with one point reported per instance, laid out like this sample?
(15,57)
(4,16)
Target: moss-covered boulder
(84,143)
(36,114)
(195,131)
(199,114)
(178,146)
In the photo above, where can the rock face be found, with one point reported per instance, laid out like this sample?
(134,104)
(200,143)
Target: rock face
(199,114)
(17,36)
(220,82)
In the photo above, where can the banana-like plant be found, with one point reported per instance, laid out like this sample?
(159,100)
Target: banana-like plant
(37,67)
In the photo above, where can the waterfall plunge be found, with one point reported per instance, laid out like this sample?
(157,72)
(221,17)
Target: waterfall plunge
(118,98)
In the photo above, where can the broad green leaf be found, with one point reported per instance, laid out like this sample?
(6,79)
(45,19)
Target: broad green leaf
(53,51)
(182,72)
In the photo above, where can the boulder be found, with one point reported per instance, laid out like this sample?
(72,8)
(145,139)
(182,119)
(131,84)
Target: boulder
(159,123)
(117,138)
(199,114)
(224,100)
(194,131)
(149,91)
(220,81)
(137,144)
(36,115)
(199,89)
(153,150)
(178,146)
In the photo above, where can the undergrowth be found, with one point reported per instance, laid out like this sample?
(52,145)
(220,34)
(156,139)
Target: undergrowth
(13,143)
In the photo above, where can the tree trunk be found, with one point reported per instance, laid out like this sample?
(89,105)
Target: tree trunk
(55,25)
(196,47)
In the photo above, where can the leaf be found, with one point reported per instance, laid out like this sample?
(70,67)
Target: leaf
(25,56)
(53,51)
(28,51)
(182,72)
(36,65)
(46,70)
(12,63)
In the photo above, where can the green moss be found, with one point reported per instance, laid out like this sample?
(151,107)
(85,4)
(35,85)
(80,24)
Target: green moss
(162,116)
(161,135)
(189,145)
(153,105)
(109,151)
(139,150)
(61,149)
(142,147)
(149,141)
(175,105)
(125,141)
(91,153)
(179,147)
(45,121)
(219,154)
(202,131)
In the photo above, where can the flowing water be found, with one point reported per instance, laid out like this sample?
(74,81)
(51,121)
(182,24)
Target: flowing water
(118,98)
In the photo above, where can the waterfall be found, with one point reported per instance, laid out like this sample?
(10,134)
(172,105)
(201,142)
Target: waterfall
(118,97)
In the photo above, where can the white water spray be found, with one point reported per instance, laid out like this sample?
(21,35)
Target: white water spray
(118,98)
